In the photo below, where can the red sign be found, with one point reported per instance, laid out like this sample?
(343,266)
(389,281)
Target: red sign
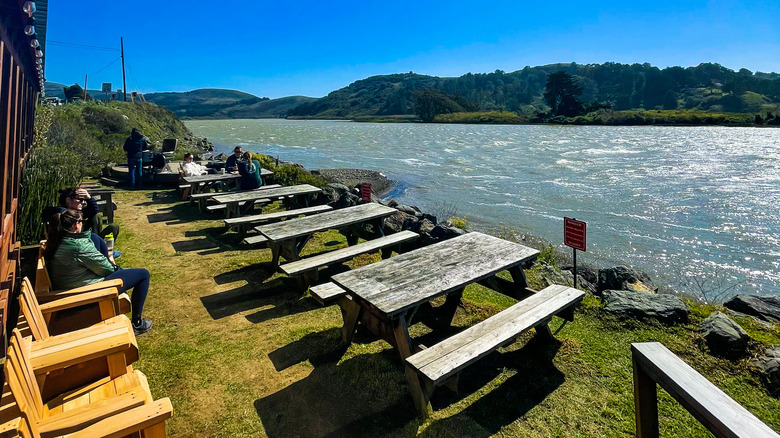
(574,233)
(365,192)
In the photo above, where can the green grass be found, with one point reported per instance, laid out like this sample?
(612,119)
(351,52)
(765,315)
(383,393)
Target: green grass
(242,352)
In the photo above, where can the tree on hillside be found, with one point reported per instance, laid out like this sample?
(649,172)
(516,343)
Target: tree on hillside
(562,94)
(429,102)
(75,90)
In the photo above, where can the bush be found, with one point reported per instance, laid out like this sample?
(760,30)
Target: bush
(48,169)
(289,175)
(107,120)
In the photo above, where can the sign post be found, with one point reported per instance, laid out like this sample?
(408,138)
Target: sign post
(574,234)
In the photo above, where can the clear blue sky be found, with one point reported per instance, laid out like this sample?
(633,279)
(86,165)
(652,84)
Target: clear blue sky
(311,48)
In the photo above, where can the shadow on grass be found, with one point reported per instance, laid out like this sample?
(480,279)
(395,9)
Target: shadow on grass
(535,379)
(318,348)
(364,396)
(272,299)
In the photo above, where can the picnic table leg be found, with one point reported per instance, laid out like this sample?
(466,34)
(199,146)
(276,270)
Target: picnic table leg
(449,307)
(350,312)
(518,276)
(109,208)
(420,394)
(275,250)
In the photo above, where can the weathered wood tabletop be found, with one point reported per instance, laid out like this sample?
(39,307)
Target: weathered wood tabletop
(288,238)
(233,199)
(211,177)
(403,282)
(299,190)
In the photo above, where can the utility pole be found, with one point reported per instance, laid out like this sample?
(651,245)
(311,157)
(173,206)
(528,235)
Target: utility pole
(124,81)
(85,88)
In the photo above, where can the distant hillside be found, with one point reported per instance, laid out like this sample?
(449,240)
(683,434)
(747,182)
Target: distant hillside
(263,109)
(709,87)
(202,103)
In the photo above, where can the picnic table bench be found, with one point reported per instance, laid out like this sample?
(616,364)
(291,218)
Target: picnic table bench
(287,239)
(246,221)
(104,198)
(307,270)
(385,296)
(654,363)
(232,200)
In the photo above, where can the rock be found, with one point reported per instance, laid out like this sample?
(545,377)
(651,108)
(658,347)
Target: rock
(220,157)
(340,196)
(441,232)
(406,209)
(624,278)
(724,336)
(549,276)
(395,222)
(769,369)
(426,227)
(765,308)
(629,304)
(588,272)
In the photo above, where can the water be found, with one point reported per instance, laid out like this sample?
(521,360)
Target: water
(677,202)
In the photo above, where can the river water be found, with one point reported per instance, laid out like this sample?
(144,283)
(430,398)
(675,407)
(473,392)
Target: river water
(678,202)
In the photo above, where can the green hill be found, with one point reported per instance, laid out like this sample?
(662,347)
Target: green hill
(202,103)
(708,87)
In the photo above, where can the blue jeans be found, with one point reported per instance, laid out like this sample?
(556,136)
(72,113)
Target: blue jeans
(138,280)
(100,244)
(135,172)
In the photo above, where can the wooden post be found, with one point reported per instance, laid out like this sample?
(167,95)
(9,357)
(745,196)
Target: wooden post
(645,402)
(124,81)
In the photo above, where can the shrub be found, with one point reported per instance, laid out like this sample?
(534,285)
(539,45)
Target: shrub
(289,175)
(48,169)
(107,120)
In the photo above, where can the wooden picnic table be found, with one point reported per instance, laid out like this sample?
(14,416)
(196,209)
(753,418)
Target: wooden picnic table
(385,295)
(232,200)
(208,180)
(287,238)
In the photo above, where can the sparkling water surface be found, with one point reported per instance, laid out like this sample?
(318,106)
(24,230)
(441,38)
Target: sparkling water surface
(674,201)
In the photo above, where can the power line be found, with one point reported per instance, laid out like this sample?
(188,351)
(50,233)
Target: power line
(109,65)
(81,46)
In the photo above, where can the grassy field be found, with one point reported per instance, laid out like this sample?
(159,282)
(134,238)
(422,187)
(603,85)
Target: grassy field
(241,352)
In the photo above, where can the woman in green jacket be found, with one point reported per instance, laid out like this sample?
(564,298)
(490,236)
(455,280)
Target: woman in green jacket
(73,261)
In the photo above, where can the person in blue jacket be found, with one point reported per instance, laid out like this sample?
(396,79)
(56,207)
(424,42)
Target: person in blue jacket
(135,144)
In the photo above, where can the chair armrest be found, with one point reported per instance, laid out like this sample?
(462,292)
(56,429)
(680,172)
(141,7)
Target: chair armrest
(58,352)
(81,299)
(84,416)
(57,294)
(131,421)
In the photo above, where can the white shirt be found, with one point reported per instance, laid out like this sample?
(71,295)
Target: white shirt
(194,169)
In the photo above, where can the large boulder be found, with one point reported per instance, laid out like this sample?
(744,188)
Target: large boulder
(624,278)
(638,305)
(765,308)
(340,196)
(443,232)
(769,368)
(724,336)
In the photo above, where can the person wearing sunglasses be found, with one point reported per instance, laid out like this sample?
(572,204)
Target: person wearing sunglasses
(79,199)
(73,261)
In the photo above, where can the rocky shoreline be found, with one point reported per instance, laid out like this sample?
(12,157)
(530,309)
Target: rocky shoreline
(380,183)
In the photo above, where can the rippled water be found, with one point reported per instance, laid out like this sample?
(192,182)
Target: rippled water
(672,200)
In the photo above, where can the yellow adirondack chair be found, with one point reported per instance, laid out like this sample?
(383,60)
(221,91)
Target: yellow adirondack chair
(92,410)
(56,381)
(45,293)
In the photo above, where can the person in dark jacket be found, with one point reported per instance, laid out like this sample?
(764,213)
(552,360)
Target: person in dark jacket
(134,147)
(79,199)
(231,164)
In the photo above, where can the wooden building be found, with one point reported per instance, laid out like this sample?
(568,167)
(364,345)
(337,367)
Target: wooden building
(22,44)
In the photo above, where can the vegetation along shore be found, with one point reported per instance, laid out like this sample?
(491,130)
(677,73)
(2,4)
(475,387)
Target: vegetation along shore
(219,306)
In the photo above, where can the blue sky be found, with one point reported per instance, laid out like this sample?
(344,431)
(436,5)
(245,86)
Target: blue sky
(284,48)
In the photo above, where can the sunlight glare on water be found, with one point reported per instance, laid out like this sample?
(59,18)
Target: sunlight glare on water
(671,200)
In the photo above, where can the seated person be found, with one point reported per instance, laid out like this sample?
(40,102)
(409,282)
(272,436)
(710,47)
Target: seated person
(73,262)
(192,168)
(231,164)
(80,200)
(249,169)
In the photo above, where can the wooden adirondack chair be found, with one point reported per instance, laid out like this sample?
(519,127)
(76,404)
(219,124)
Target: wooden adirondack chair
(45,293)
(107,303)
(59,380)
(103,408)
(148,420)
